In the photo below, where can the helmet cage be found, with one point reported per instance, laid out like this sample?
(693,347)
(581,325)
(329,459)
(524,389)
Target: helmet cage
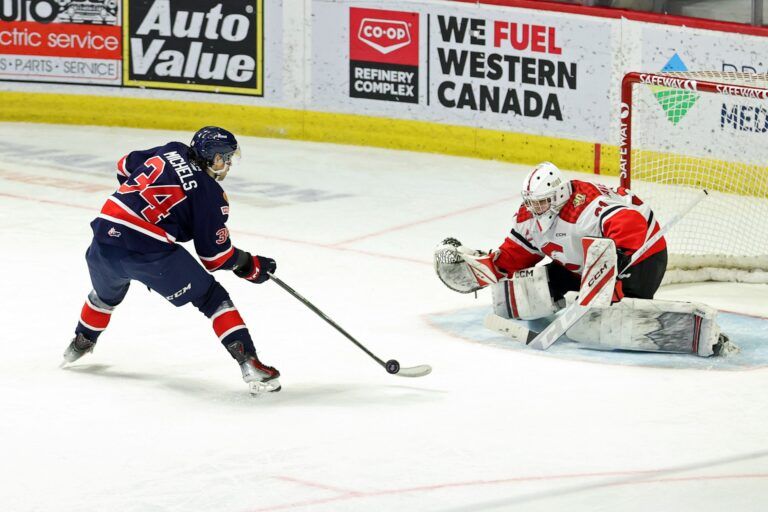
(545,190)
(538,205)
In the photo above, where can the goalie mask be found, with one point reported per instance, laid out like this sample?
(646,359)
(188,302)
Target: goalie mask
(545,191)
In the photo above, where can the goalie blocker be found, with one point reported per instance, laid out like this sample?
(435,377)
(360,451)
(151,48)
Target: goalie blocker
(630,324)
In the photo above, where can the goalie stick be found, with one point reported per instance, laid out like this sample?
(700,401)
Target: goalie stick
(575,311)
(392,366)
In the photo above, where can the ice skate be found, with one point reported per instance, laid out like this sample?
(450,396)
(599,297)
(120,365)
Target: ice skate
(259,377)
(78,347)
(724,347)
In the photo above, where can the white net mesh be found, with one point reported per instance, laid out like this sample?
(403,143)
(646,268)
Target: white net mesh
(685,140)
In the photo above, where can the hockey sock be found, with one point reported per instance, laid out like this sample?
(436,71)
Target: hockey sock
(230,327)
(94,317)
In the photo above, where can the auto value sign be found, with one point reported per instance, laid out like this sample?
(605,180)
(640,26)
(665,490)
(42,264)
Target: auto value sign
(384,55)
(202,45)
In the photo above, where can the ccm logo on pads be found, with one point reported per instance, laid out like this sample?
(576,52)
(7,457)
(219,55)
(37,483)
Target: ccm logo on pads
(384,36)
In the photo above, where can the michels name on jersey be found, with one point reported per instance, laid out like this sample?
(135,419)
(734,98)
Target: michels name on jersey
(182,169)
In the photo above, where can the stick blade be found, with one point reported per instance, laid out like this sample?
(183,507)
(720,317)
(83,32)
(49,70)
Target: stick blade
(509,328)
(415,371)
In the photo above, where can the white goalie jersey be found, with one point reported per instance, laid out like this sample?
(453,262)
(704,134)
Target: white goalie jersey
(592,210)
(581,226)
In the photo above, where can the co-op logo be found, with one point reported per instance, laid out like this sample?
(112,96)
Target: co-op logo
(384,36)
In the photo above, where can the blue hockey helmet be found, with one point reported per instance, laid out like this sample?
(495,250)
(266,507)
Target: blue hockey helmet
(211,141)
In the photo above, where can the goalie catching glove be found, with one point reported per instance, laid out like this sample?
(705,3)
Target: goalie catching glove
(462,269)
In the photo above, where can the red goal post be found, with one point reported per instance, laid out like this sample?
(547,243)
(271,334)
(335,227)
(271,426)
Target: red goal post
(683,131)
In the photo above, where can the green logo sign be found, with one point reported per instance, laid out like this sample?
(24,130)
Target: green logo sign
(675,102)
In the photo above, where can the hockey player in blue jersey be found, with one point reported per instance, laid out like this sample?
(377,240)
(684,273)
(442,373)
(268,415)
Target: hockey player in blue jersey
(170,194)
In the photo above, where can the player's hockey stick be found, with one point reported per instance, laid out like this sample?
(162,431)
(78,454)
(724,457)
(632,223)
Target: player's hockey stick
(575,311)
(392,366)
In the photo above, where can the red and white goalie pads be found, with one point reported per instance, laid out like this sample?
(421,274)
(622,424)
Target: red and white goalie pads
(598,279)
(637,324)
(525,295)
(630,324)
(462,269)
(597,284)
(650,326)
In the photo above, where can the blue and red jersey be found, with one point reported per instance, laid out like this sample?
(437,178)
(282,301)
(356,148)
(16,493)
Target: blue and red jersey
(164,198)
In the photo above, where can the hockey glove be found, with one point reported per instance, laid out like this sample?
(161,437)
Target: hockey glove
(622,260)
(254,268)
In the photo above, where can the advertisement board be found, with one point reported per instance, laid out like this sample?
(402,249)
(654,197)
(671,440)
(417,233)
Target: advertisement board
(61,41)
(384,55)
(734,124)
(495,68)
(521,70)
(490,79)
(196,45)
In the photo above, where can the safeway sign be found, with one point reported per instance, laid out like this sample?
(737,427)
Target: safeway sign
(384,55)
(384,36)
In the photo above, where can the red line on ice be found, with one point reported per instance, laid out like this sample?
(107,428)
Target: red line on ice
(249,233)
(347,495)
(423,221)
(49,201)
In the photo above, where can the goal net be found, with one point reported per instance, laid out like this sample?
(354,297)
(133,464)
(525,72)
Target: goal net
(683,132)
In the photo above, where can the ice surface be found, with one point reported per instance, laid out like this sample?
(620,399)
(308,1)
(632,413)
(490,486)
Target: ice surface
(157,418)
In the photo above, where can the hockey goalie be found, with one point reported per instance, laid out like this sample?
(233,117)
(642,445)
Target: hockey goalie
(582,226)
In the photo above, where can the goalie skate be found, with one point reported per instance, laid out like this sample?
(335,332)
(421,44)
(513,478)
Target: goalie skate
(725,347)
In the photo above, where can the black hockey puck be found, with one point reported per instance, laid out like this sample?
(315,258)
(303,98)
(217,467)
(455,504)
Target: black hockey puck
(393,366)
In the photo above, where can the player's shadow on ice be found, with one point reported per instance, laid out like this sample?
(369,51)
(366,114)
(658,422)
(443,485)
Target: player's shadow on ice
(294,394)
(188,386)
(351,394)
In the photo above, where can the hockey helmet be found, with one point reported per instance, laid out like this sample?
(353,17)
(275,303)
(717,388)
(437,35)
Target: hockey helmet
(545,191)
(211,141)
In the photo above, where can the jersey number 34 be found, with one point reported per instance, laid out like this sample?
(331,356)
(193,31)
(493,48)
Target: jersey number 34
(160,198)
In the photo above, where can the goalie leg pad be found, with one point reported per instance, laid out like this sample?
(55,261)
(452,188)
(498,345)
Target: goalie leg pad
(650,326)
(525,296)
(599,276)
